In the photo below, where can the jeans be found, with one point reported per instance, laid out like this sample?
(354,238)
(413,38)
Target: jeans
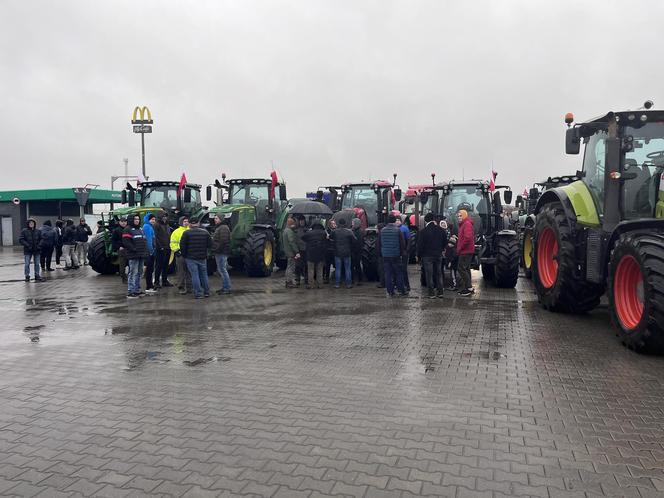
(392,267)
(222,266)
(134,277)
(291,270)
(199,276)
(161,266)
(46,257)
(315,270)
(464,271)
(338,261)
(69,252)
(26,260)
(433,272)
(82,252)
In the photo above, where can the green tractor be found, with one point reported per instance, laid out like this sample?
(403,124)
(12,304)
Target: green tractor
(496,246)
(371,202)
(256,212)
(606,230)
(149,197)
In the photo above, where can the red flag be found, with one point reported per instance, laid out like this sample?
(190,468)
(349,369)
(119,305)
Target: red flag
(525,192)
(183,182)
(273,175)
(492,182)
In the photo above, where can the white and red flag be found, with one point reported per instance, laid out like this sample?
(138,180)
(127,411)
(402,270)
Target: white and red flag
(492,181)
(183,182)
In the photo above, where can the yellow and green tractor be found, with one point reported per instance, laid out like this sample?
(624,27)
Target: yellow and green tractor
(605,231)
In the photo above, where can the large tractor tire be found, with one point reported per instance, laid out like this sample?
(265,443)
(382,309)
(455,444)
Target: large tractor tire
(259,253)
(370,257)
(99,260)
(412,247)
(506,269)
(527,251)
(558,284)
(636,291)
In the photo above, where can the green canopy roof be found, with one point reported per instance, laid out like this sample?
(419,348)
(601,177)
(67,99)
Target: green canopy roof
(97,196)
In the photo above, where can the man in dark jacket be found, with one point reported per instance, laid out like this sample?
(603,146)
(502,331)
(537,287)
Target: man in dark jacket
(221,247)
(162,239)
(48,240)
(343,247)
(316,247)
(69,246)
(431,244)
(83,232)
(194,246)
(136,247)
(30,239)
(392,248)
(356,256)
(301,267)
(116,244)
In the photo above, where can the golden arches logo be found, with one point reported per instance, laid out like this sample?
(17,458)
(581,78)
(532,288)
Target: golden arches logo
(142,111)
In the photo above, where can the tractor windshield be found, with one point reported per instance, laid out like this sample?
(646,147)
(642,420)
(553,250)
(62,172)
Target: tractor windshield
(165,197)
(470,198)
(646,161)
(249,193)
(364,197)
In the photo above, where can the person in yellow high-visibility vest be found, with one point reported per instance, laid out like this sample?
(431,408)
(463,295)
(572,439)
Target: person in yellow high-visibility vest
(183,276)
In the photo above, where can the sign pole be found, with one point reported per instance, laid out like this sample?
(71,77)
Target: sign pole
(142,126)
(143,153)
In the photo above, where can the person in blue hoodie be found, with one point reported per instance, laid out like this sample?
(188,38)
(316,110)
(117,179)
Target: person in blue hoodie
(148,231)
(48,241)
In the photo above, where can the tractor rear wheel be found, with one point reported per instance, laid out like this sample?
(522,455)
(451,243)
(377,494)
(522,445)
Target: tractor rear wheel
(370,257)
(558,284)
(506,269)
(527,252)
(412,247)
(259,252)
(636,291)
(99,260)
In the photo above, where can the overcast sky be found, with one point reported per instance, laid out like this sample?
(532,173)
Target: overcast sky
(331,91)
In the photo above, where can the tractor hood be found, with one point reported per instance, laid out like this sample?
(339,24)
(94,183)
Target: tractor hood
(142,211)
(226,210)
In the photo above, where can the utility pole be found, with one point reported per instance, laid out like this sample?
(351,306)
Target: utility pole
(142,126)
(126,164)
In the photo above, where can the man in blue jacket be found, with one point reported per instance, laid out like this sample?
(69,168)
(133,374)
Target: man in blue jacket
(392,249)
(148,231)
(136,250)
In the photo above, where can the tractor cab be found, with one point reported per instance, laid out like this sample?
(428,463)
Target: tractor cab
(162,195)
(372,201)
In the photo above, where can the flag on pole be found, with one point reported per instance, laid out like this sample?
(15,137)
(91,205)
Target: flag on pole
(183,182)
(525,192)
(273,175)
(141,179)
(492,182)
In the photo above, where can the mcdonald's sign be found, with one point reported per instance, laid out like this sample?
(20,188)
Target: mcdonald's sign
(142,112)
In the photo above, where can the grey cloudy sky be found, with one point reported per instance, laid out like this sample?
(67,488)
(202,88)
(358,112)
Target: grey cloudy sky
(332,91)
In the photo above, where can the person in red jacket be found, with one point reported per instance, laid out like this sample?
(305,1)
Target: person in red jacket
(465,250)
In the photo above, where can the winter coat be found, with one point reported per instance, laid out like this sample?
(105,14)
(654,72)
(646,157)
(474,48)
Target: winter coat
(83,232)
(431,241)
(221,240)
(48,237)
(344,240)
(300,231)
(176,236)
(290,243)
(359,241)
(315,241)
(30,238)
(148,231)
(195,243)
(162,236)
(392,242)
(116,238)
(69,235)
(133,240)
(466,241)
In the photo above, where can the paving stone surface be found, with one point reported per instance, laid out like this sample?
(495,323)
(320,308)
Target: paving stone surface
(277,392)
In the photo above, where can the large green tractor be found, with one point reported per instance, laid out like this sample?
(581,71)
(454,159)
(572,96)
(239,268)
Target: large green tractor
(149,197)
(606,230)
(255,210)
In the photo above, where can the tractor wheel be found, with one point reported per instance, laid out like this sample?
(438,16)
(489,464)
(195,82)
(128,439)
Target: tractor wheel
(636,291)
(559,286)
(370,258)
(527,251)
(259,252)
(488,272)
(412,247)
(99,260)
(506,269)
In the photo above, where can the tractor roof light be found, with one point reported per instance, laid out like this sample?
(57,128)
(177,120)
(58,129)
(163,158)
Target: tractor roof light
(615,175)
(644,118)
(569,119)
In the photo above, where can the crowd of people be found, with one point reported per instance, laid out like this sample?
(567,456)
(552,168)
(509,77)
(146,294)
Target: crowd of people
(147,248)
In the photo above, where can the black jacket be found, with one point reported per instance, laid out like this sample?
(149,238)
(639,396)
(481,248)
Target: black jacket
(431,241)
(315,241)
(162,236)
(116,238)
(221,240)
(134,241)
(82,232)
(48,237)
(195,243)
(343,242)
(359,241)
(69,235)
(30,239)
(300,231)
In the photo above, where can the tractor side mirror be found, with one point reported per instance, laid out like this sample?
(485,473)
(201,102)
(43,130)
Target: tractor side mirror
(131,198)
(533,194)
(507,195)
(519,202)
(208,192)
(282,192)
(572,141)
(124,197)
(187,195)
(424,197)
(319,195)
(397,194)
(497,205)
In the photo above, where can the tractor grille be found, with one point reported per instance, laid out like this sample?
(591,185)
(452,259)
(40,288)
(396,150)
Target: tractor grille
(594,256)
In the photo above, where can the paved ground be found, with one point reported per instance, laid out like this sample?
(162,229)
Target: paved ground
(272,392)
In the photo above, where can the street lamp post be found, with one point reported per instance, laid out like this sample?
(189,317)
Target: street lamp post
(142,126)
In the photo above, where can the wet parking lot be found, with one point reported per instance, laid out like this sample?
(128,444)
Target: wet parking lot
(279,392)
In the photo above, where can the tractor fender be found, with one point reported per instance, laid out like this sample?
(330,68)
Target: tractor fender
(262,226)
(640,227)
(557,195)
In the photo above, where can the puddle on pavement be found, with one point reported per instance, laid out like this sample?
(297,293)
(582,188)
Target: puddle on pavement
(203,361)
